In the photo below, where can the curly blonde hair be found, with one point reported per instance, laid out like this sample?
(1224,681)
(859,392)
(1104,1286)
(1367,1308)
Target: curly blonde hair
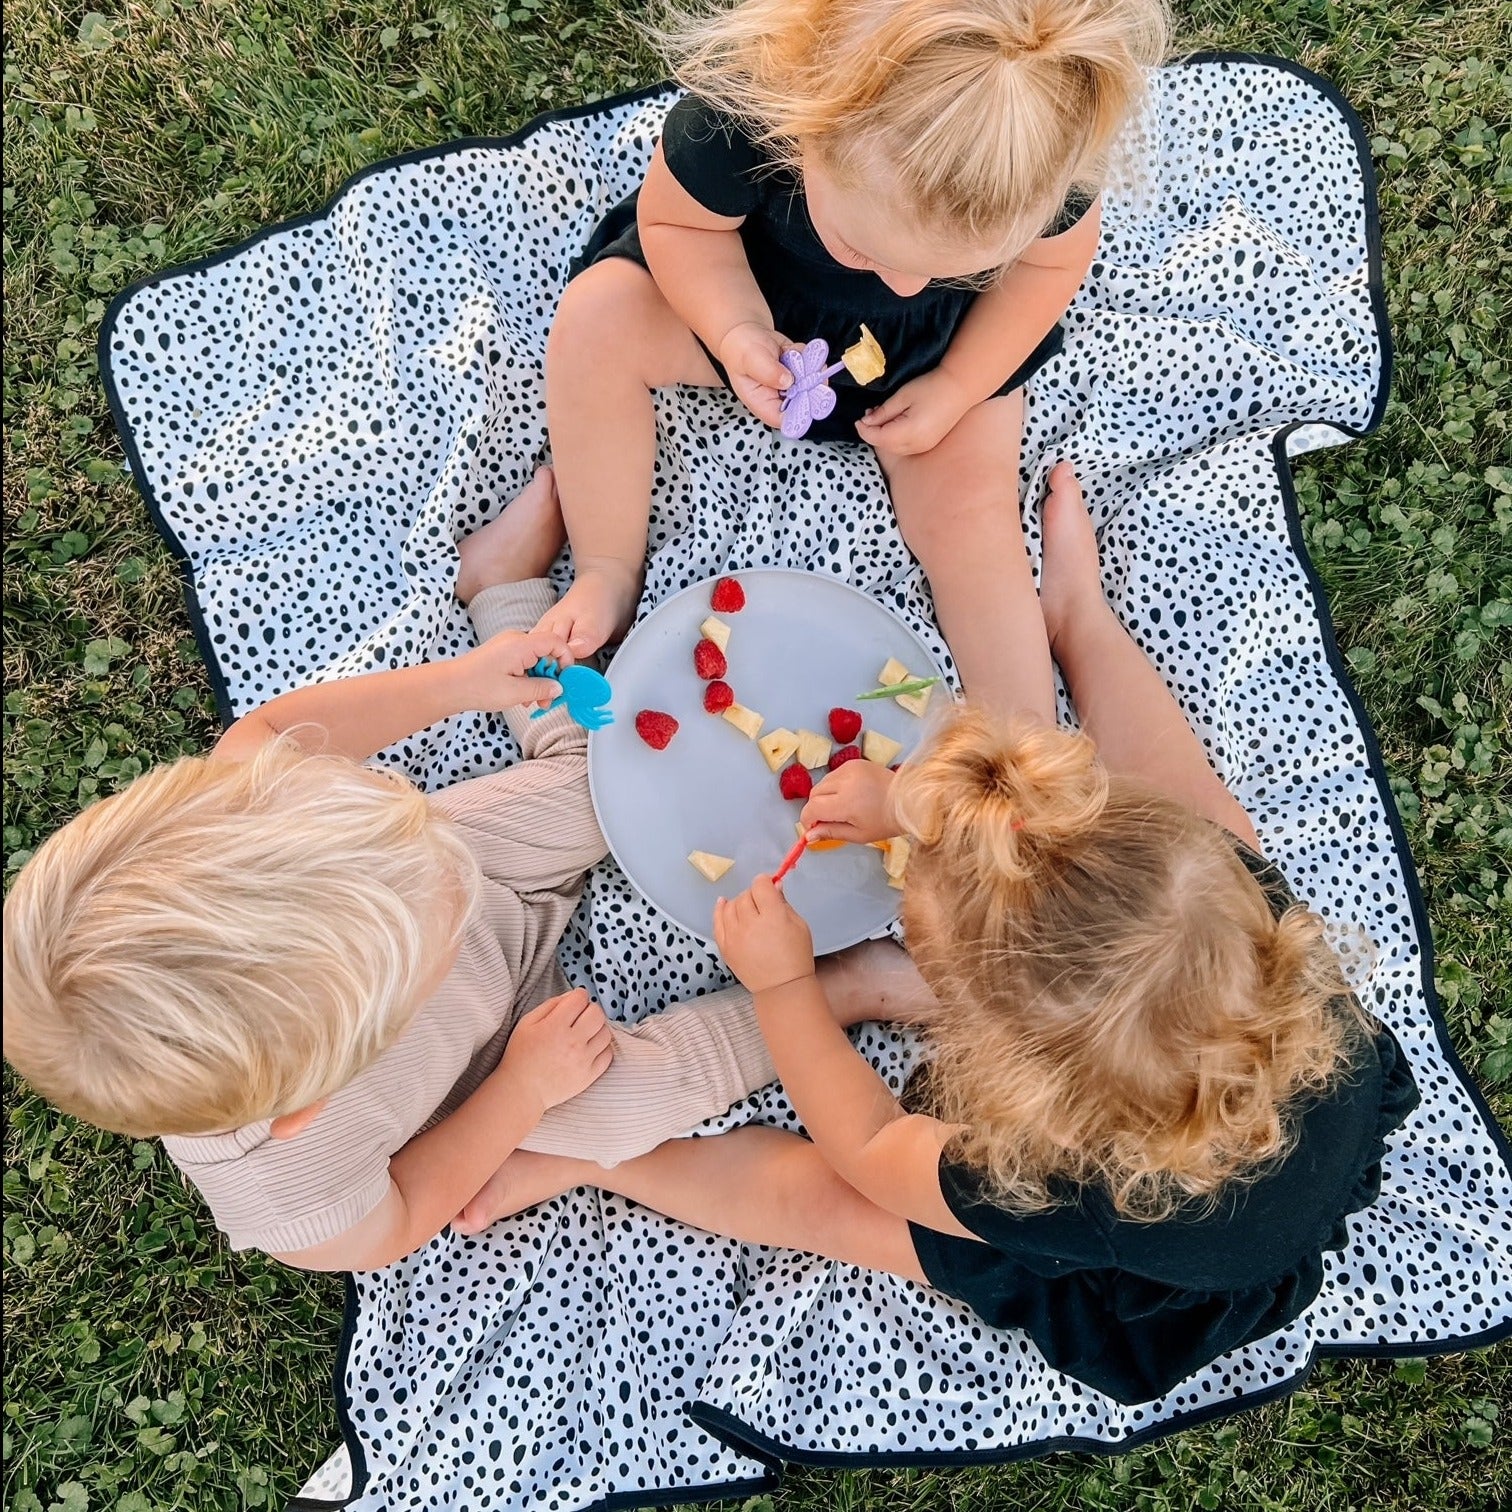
(225,942)
(980,115)
(1120,1005)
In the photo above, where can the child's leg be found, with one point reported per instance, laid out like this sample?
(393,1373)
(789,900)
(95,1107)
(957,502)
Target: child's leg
(761,1186)
(1120,698)
(958,509)
(693,1060)
(615,339)
(517,547)
(532,825)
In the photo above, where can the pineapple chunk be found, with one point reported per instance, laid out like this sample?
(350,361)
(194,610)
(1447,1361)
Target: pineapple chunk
(813,749)
(895,862)
(880,748)
(710,866)
(747,721)
(776,747)
(915,703)
(864,361)
(716,630)
(893,672)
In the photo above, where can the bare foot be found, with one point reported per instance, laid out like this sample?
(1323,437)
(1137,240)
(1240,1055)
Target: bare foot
(875,980)
(598,607)
(523,1180)
(1070,574)
(520,545)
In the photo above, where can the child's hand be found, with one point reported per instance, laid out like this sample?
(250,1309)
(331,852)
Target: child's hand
(559,1048)
(763,937)
(853,803)
(918,417)
(751,355)
(498,671)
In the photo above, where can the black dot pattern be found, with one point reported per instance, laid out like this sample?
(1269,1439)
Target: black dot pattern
(316,418)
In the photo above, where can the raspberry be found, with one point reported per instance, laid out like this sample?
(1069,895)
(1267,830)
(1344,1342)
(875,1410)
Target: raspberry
(655,728)
(709,661)
(796,782)
(718,697)
(844,754)
(728,597)
(845,725)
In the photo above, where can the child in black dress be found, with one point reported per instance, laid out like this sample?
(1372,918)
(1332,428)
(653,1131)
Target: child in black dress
(841,162)
(1152,1101)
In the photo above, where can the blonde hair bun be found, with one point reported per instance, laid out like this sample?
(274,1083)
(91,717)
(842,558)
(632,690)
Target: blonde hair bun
(977,116)
(1000,796)
(1120,1004)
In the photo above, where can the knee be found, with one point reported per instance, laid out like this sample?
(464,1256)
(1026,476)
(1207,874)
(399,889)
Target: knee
(974,513)
(602,305)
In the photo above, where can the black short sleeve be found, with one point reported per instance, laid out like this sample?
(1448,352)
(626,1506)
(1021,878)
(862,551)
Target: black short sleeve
(712,157)
(1070,1232)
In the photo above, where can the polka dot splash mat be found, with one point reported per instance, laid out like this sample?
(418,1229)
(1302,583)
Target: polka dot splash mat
(315,417)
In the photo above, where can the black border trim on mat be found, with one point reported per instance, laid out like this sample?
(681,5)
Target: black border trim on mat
(199,265)
(715,1421)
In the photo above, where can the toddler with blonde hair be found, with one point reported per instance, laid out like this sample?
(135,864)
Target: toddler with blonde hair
(1151,1100)
(335,999)
(928,169)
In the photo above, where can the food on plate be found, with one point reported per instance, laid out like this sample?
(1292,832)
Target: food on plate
(709,661)
(880,748)
(844,725)
(777,747)
(895,854)
(795,782)
(916,703)
(718,697)
(817,845)
(844,754)
(747,721)
(716,630)
(728,597)
(709,865)
(655,728)
(900,685)
(813,749)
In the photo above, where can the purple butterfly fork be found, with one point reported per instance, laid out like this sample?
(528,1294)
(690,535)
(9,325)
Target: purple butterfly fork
(810,397)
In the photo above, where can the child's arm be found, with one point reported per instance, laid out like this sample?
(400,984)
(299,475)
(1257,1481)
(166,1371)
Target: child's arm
(359,716)
(885,1153)
(699,264)
(1007,322)
(555,1051)
(1002,327)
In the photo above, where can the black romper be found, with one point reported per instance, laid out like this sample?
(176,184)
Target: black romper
(808,292)
(1131,1309)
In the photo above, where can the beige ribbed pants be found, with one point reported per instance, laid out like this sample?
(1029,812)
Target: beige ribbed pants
(678,1067)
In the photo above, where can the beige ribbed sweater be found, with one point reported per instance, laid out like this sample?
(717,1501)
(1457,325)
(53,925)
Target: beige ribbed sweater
(534,834)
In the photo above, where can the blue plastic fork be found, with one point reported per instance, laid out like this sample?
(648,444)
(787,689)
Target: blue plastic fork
(585,693)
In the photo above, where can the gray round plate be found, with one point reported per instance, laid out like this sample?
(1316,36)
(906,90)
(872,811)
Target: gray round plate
(802,645)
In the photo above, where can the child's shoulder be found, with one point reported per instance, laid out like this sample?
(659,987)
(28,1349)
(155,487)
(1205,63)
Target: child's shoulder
(715,157)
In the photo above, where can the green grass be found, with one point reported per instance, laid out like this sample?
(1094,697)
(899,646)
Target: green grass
(147,1367)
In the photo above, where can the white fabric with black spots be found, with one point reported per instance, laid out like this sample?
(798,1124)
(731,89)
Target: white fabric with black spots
(316,417)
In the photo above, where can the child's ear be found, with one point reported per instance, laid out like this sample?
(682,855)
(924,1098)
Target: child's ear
(287,1125)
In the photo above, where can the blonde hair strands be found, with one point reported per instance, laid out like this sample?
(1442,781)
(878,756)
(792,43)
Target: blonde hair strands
(1120,1006)
(225,942)
(978,115)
